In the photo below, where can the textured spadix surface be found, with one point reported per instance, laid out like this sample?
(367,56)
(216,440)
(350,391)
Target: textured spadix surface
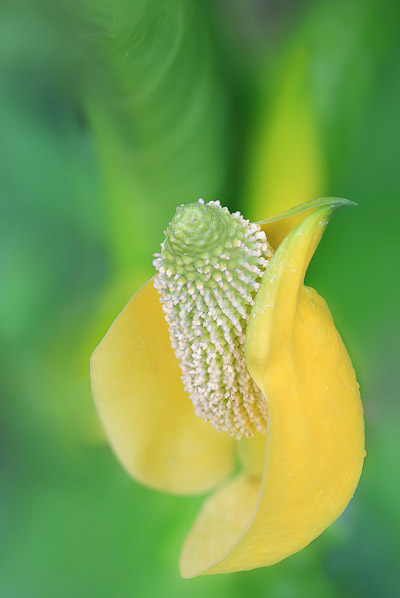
(314,450)
(210,268)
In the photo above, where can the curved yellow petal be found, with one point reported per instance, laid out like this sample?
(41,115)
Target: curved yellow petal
(290,218)
(314,448)
(148,417)
(222,520)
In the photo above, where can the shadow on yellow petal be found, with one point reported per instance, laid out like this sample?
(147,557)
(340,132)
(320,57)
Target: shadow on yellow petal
(251,453)
(148,418)
(314,449)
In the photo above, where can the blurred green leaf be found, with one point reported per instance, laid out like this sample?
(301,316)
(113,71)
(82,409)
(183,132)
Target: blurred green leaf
(161,119)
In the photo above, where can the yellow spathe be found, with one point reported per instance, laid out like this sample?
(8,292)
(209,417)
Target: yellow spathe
(147,416)
(314,449)
(296,479)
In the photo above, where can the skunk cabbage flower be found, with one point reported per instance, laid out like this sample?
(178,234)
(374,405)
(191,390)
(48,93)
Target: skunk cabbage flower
(227,353)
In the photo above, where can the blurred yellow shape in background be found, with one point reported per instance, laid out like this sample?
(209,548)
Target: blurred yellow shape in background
(286,165)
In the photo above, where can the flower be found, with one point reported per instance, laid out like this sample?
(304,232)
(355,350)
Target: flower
(293,415)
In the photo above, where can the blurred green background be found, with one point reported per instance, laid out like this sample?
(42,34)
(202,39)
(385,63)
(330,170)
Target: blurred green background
(112,113)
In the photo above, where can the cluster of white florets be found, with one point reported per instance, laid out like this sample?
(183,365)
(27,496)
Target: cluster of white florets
(209,270)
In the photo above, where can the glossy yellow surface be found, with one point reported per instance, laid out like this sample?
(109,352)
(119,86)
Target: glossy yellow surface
(314,449)
(147,416)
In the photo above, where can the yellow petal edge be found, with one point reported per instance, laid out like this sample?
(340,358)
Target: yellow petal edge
(148,417)
(314,449)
